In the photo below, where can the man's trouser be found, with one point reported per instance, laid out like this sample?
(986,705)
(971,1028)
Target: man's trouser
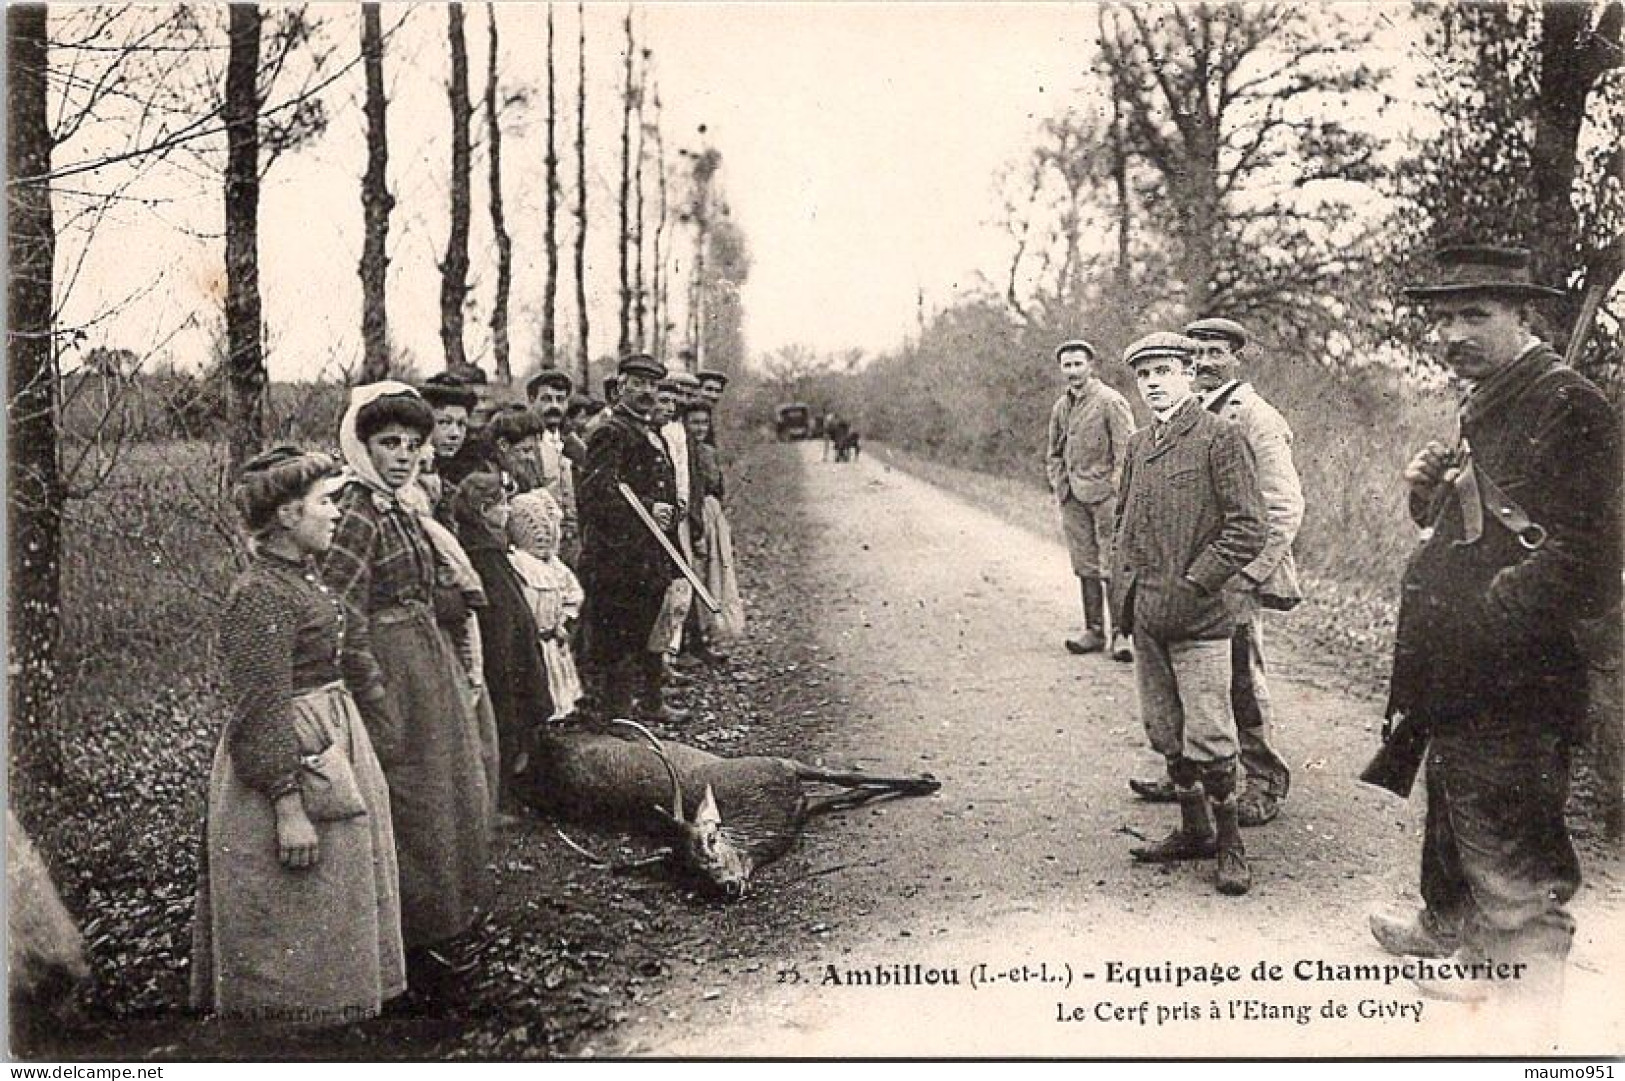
(1497,862)
(1255,714)
(1184,701)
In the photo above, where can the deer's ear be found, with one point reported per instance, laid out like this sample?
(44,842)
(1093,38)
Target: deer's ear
(707,813)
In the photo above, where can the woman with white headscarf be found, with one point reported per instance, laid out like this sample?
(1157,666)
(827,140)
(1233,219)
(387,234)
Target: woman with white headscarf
(382,563)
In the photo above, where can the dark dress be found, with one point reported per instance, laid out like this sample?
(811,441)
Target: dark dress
(412,697)
(515,673)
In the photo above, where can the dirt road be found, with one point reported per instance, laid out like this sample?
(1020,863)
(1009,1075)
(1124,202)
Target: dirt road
(940,629)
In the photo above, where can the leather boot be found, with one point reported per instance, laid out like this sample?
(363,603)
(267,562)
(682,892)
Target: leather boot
(1234,877)
(1193,840)
(651,705)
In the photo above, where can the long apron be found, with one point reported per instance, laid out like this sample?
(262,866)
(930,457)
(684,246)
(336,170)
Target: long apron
(437,787)
(315,946)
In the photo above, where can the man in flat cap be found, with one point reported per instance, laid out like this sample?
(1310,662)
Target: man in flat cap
(1189,519)
(1089,428)
(1270,581)
(1521,539)
(549,394)
(624,570)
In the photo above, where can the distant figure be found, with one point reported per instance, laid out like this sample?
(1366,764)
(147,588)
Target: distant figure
(1521,541)
(1087,440)
(835,431)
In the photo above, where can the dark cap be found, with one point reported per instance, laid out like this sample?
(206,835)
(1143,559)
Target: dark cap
(1218,330)
(1159,345)
(549,377)
(711,375)
(642,364)
(1478,268)
(1073,344)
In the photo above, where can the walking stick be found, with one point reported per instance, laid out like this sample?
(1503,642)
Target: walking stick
(676,557)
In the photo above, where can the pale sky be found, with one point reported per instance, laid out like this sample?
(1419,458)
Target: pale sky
(861,148)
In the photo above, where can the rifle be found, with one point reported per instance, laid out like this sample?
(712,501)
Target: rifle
(1399,759)
(676,557)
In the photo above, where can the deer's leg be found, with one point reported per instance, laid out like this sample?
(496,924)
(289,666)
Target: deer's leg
(918,785)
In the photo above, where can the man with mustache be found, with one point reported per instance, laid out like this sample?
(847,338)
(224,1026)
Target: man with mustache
(624,571)
(549,393)
(1521,539)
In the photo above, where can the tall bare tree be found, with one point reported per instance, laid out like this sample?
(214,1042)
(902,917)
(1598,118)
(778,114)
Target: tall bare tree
(376,204)
(624,342)
(454,267)
(245,360)
(34,483)
(550,235)
(499,225)
(640,291)
(1223,101)
(581,192)
(659,313)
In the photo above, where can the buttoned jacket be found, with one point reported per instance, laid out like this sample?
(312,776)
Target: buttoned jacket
(1087,440)
(1189,517)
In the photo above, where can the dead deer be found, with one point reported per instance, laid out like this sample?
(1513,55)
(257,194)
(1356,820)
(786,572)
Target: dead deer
(749,811)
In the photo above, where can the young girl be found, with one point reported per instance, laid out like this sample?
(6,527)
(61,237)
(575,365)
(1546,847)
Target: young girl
(551,590)
(298,907)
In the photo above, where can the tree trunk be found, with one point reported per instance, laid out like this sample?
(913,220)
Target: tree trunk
(245,360)
(658,314)
(499,225)
(581,192)
(624,342)
(1571,60)
(34,494)
(550,238)
(1124,208)
(454,268)
(376,204)
(640,291)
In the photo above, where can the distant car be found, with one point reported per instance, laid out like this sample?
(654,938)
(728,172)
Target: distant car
(793,421)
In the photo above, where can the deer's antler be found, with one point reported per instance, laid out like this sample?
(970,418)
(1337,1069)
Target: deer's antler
(676,813)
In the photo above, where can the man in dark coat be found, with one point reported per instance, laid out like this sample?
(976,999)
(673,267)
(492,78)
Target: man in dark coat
(1521,539)
(624,571)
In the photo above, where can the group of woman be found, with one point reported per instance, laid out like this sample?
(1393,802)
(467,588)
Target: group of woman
(380,668)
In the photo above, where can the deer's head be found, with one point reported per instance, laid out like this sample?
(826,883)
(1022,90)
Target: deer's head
(704,845)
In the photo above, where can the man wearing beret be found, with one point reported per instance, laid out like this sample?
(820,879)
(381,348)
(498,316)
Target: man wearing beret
(549,393)
(1089,428)
(624,570)
(1189,519)
(1270,581)
(1521,539)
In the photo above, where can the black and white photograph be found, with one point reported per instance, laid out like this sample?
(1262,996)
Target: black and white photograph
(737,531)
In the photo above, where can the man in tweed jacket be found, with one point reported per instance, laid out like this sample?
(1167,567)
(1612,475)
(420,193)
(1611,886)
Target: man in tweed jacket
(1189,518)
(1270,581)
(1089,426)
